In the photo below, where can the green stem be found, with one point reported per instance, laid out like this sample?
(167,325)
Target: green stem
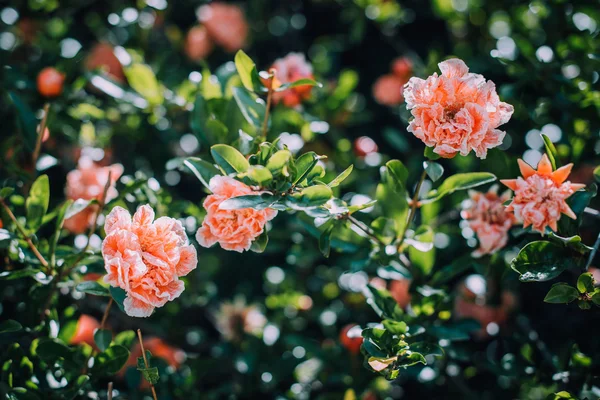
(413,209)
(269,101)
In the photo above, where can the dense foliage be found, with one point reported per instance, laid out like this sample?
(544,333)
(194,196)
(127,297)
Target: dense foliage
(299,199)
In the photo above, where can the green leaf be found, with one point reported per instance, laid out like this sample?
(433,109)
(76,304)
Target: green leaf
(51,350)
(312,196)
(411,359)
(427,349)
(246,70)
(434,170)
(430,155)
(78,206)
(228,158)
(203,170)
(278,161)
(395,327)
(125,338)
(551,152)
(142,79)
(304,164)
(93,288)
(18,274)
(421,251)
(325,240)
(110,361)
(385,229)
(9,326)
(102,338)
(383,303)
(118,296)
(256,201)
(260,243)
(253,108)
(561,293)
(27,119)
(259,175)
(459,182)
(585,283)
(541,261)
(341,177)
(398,172)
(150,374)
(37,202)
(5,192)
(299,82)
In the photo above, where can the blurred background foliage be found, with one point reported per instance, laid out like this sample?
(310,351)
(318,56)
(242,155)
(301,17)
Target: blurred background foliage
(543,57)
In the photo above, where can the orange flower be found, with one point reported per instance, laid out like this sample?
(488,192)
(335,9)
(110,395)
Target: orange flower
(402,67)
(389,90)
(290,69)
(232,229)
(197,43)
(87,182)
(540,195)
(84,332)
(146,258)
(103,56)
(226,25)
(489,219)
(456,112)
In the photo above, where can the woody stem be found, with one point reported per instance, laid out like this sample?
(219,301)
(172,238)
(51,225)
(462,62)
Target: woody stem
(25,236)
(40,135)
(139,332)
(269,100)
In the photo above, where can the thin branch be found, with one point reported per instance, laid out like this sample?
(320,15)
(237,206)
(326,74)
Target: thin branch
(25,236)
(269,100)
(106,311)
(365,229)
(413,209)
(109,392)
(139,332)
(40,135)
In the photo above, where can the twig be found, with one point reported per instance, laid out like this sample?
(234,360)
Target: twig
(110,390)
(25,236)
(413,209)
(269,99)
(40,136)
(365,229)
(139,332)
(593,253)
(67,270)
(106,311)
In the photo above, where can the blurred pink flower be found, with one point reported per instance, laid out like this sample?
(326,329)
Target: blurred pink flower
(225,23)
(145,258)
(488,218)
(402,67)
(232,229)
(389,90)
(87,182)
(197,43)
(540,195)
(235,319)
(457,111)
(290,69)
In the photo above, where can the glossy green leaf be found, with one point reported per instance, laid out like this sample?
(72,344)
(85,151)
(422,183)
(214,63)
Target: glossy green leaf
(278,161)
(118,296)
(325,240)
(430,155)
(9,326)
(434,170)
(142,79)
(18,274)
(229,158)
(585,283)
(252,107)
(93,288)
(102,338)
(260,243)
(542,261)
(304,164)
(312,196)
(383,303)
(259,175)
(341,177)
(256,201)
(110,361)
(299,82)
(561,293)
(246,70)
(203,170)
(150,374)
(6,192)
(37,202)
(459,182)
